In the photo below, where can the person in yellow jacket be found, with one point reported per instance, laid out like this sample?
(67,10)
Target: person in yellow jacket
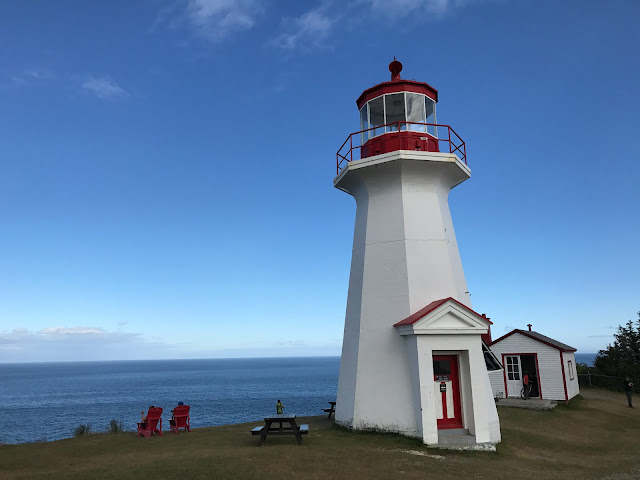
(279,408)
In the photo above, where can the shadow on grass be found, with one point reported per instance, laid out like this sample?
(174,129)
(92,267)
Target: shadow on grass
(397,441)
(374,434)
(576,403)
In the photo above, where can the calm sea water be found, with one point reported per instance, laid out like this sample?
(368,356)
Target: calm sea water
(587,358)
(45,401)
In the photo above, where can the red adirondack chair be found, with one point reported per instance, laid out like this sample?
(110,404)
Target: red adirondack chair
(180,419)
(152,425)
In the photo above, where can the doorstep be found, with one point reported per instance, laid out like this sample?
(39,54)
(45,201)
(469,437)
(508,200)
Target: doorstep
(461,439)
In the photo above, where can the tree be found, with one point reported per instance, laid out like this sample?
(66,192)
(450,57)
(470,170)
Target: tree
(622,358)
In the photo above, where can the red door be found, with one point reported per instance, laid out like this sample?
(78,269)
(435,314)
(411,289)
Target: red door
(447,391)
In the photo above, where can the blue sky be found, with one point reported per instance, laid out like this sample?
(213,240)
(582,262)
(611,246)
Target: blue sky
(166,168)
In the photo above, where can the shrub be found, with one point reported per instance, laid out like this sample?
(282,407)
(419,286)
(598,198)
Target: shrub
(115,426)
(82,429)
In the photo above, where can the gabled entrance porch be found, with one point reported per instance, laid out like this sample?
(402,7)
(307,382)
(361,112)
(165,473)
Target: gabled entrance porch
(449,378)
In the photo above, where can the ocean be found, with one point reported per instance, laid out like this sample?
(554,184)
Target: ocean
(587,358)
(46,401)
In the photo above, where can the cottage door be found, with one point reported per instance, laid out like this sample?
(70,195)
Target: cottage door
(514,378)
(447,391)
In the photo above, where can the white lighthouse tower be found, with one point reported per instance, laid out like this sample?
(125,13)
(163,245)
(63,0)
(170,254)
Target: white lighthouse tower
(413,359)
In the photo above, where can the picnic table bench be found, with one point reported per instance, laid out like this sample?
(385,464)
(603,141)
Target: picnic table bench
(281,429)
(332,409)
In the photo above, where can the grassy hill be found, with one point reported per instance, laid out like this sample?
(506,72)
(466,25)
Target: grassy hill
(597,437)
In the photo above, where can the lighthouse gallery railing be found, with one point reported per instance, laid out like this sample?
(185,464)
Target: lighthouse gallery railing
(345,152)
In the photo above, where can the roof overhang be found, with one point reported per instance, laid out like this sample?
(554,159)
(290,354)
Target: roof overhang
(546,340)
(396,86)
(446,316)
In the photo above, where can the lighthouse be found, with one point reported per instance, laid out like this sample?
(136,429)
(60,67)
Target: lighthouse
(413,357)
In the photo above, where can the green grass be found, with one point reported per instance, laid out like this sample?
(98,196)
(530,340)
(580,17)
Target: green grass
(591,438)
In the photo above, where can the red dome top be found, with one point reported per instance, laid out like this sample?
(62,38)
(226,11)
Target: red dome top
(396,84)
(395,68)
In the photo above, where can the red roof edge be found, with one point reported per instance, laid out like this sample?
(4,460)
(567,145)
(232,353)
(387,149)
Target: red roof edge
(411,319)
(396,86)
(533,337)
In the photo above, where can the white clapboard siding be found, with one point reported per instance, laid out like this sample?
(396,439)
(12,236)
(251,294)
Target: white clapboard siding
(497,381)
(572,383)
(549,365)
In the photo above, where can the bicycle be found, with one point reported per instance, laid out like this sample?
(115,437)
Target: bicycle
(525,393)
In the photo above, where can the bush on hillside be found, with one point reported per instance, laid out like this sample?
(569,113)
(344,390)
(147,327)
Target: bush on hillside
(115,426)
(582,368)
(82,429)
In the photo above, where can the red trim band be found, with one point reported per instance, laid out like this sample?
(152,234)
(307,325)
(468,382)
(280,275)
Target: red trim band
(397,87)
(564,378)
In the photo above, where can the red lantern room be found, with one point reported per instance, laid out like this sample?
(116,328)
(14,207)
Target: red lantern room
(399,115)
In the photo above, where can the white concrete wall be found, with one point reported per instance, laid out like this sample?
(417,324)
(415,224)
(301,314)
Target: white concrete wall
(549,365)
(573,388)
(417,360)
(404,256)
(374,374)
(424,396)
(433,259)
(495,435)
(466,392)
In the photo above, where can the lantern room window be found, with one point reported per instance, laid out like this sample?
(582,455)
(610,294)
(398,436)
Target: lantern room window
(416,110)
(430,107)
(395,111)
(398,107)
(364,118)
(376,116)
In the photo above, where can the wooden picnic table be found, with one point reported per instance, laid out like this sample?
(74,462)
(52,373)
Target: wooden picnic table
(281,419)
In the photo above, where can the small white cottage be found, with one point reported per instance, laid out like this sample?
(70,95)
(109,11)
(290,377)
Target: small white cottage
(551,366)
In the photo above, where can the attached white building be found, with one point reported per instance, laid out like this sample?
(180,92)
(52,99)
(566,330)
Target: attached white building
(550,364)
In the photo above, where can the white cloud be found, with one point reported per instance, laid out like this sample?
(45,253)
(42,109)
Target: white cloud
(71,331)
(315,27)
(216,19)
(403,8)
(29,77)
(94,343)
(104,88)
(307,31)
(77,343)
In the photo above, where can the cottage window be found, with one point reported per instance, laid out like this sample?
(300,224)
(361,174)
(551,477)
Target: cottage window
(571,372)
(513,368)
